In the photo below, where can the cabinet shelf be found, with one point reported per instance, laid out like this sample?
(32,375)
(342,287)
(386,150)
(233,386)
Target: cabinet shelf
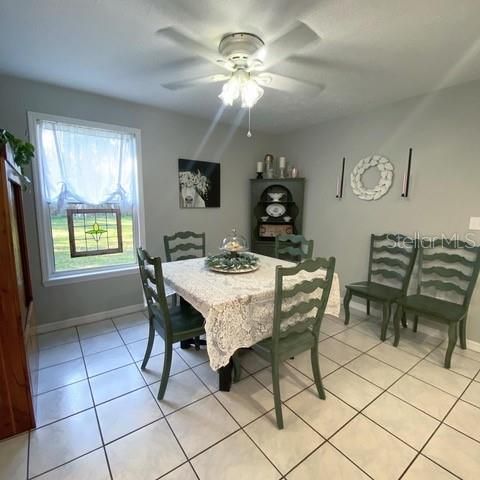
(273,222)
(293,193)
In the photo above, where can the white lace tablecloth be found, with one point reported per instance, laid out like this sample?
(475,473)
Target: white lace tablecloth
(238,308)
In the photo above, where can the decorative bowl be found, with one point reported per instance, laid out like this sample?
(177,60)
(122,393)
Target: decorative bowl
(275,196)
(228,263)
(265,218)
(287,218)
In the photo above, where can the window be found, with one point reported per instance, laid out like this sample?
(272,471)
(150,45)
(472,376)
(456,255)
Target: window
(88,197)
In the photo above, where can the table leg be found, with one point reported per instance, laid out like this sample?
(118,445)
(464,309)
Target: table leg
(225,377)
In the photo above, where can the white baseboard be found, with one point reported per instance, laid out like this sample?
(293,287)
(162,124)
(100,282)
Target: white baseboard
(93,317)
(427,329)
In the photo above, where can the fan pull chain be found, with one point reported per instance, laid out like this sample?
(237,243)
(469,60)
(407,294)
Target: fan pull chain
(249,133)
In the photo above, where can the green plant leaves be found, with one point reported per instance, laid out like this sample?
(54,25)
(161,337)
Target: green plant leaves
(23,152)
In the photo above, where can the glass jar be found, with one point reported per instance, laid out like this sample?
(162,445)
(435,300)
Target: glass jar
(234,243)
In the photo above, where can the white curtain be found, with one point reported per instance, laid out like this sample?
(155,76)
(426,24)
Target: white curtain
(86,165)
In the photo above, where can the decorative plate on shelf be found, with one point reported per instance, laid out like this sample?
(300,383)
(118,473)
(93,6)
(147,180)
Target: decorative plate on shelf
(232,263)
(276,209)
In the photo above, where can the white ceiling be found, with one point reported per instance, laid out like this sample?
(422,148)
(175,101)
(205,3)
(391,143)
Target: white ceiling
(372,51)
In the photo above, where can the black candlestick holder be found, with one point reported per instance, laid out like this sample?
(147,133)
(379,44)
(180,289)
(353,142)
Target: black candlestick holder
(259,175)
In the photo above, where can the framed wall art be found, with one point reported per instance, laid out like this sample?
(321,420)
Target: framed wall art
(199,184)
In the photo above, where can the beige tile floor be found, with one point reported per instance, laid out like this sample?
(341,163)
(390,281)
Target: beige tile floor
(390,413)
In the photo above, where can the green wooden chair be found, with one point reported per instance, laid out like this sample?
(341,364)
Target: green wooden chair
(175,247)
(392,257)
(288,341)
(293,247)
(447,268)
(173,324)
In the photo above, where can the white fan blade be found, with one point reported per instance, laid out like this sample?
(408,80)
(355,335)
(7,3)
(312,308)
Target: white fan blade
(185,69)
(296,39)
(195,82)
(192,46)
(287,84)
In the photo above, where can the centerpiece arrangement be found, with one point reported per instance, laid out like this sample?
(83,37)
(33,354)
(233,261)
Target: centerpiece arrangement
(234,257)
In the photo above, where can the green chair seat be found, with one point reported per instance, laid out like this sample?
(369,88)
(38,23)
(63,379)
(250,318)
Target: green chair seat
(445,312)
(375,290)
(289,346)
(186,322)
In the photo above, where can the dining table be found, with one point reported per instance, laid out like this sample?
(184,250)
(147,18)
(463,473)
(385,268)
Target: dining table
(237,307)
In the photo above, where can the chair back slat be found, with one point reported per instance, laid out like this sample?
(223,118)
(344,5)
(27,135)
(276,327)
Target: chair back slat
(185,257)
(444,286)
(154,290)
(392,257)
(448,258)
(299,298)
(185,246)
(388,274)
(392,250)
(446,272)
(175,244)
(448,269)
(305,287)
(293,247)
(391,262)
(301,308)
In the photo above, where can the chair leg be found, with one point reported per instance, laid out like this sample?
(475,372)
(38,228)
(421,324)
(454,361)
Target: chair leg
(276,393)
(346,305)
(463,333)
(148,351)
(404,320)
(452,341)
(396,324)
(415,323)
(197,343)
(167,363)
(316,371)
(368,307)
(387,310)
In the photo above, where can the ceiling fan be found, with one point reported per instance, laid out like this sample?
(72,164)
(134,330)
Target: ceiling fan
(246,59)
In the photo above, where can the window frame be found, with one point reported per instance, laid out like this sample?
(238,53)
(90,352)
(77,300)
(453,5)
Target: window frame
(47,260)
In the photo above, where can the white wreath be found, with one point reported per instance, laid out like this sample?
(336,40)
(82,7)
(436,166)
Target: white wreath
(384,184)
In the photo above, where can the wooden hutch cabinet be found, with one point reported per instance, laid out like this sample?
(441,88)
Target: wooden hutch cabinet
(17,349)
(276,207)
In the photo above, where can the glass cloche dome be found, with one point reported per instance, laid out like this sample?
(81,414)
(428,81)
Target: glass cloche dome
(234,243)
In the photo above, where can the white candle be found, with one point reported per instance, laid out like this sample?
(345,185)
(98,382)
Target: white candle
(282,162)
(259,167)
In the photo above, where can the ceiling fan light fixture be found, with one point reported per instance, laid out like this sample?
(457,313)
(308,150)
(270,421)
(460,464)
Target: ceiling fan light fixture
(230,91)
(252,92)
(241,86)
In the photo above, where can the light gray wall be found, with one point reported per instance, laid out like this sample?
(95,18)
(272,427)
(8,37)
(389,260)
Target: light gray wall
(444,131)
(166,136)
